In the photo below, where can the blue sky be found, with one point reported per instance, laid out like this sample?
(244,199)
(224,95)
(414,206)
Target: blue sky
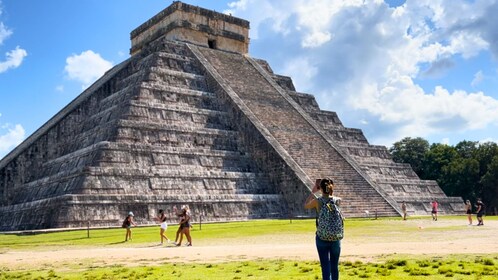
(394,69)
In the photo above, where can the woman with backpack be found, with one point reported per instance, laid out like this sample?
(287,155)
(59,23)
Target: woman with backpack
(330,227)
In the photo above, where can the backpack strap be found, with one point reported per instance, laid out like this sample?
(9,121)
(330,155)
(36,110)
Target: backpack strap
(321,201)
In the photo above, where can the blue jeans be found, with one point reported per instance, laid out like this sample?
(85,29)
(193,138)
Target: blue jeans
(329,252)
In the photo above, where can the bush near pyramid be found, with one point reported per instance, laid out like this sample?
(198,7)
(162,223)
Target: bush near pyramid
(190,118)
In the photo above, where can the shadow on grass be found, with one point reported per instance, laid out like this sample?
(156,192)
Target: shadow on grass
(116,243)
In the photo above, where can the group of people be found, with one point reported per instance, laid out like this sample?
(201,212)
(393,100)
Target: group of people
(468,210)
(479,211)
(184,225)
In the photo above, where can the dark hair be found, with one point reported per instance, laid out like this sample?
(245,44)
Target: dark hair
(161,211)
(326,185)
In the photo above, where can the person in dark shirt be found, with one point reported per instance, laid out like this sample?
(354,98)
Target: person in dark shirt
(480,212)
(127,224)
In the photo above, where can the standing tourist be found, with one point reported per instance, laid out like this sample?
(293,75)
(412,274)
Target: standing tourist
(330,227)
(127,224)
(185,226)
(161,219)
(481,208)
(181,215)
(403,208)
(468,211)
(434,209)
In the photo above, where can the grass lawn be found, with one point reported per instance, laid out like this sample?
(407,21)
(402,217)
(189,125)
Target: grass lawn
(453,266)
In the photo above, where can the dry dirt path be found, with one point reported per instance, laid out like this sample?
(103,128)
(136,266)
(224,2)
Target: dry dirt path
(467,240)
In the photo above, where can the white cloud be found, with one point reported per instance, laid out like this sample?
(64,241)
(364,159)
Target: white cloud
(14,59)
(4,32)
(59,88)
(367,57)
(11,138)
(488,140)
(302,71)
(478,78)
(274,10)
(86,67)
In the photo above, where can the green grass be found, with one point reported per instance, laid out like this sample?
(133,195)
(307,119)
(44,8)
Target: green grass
(453,267)
(364,230)
(218,232)
(357,230)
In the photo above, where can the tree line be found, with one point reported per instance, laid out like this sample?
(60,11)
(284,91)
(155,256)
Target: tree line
(468,170)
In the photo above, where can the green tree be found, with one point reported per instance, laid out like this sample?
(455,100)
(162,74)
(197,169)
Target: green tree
(484,153)
(466,149)
(489,191)
(438,157)
(460,177)
(412,151)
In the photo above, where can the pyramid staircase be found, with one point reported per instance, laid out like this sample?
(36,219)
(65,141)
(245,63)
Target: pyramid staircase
(191,119)
(396,180)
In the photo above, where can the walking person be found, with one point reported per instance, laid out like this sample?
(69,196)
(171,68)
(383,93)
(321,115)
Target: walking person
(127,224)
(185,226)
(330,227)
(481,209)
(161,219)
(403,208)
(435,205)
(468,211)
(181,215)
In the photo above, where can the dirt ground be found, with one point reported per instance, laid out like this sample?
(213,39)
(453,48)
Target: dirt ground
(465,240)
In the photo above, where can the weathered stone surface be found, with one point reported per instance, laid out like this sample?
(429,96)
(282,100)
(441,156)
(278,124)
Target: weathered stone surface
(184,124)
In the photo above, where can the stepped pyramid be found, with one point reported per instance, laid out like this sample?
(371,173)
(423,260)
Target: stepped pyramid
(190,118)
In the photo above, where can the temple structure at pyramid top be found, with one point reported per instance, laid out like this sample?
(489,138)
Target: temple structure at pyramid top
(187,23)
(190,118)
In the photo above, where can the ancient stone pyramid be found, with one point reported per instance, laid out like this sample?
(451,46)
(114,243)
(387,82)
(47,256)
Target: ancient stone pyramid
(190,118)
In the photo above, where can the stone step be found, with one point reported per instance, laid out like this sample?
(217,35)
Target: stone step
(173,62)
(327,119)
(178,114)
(165,45)
(162,93)
(177,79)
(379,173)
(111,209)
(80,140)
(347,135)
(176,135)
(373,160)
(120,96)
(140,180)
(176,160)
(368,151)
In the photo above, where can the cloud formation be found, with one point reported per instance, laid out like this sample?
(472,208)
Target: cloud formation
(10,136)
(14,58)
(86,67)
(4,32)
(364,59)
